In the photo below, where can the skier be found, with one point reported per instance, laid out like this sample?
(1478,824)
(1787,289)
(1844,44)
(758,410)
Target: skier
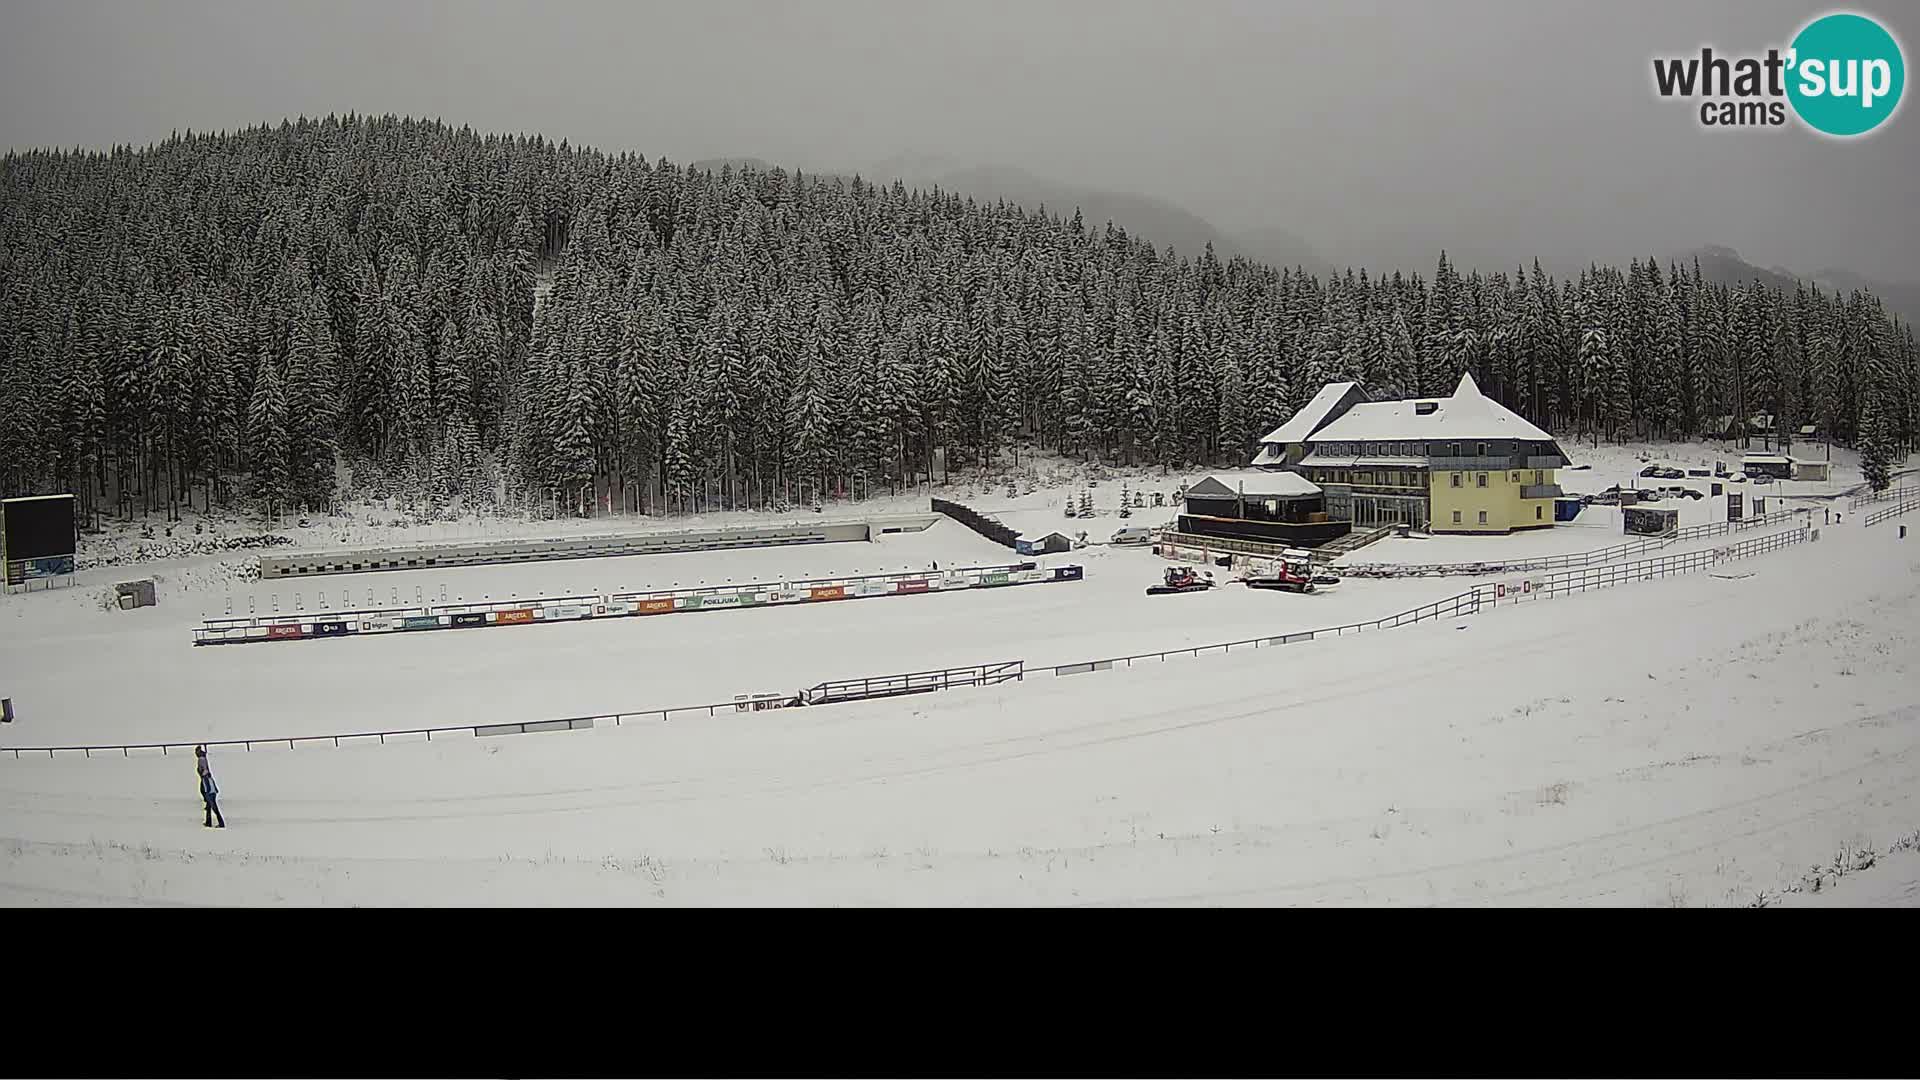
(209,791)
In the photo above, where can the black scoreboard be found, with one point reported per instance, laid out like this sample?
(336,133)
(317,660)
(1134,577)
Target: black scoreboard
(38,537)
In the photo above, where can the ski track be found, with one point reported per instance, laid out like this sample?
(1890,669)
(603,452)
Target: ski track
(1569,751)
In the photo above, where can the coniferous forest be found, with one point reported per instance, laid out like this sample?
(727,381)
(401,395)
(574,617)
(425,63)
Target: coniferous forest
(225,320)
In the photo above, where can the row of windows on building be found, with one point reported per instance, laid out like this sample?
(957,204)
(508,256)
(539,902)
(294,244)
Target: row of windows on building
(1401,478)
(1539,514)
(1421,449)
(1480,479)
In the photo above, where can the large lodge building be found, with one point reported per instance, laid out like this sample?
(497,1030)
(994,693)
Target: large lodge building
(1459,464)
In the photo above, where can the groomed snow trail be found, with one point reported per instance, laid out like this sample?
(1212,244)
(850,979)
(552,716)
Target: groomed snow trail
(1683,742)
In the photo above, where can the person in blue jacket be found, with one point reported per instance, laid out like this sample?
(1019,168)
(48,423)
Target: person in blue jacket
(209,791)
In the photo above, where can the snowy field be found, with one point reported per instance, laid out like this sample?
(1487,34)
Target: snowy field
(1702,740)
(164,689)
(1695,741)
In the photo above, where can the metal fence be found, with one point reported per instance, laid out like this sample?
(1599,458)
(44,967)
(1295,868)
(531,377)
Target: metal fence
(349,738)
(1567,582)
(1466,603)
(1570,561)
(1471,602)
(1904,493)
(1893,511)
(836,691)
(1474,600)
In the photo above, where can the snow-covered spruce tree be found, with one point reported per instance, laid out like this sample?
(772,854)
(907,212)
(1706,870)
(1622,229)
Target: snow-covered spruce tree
(140,305)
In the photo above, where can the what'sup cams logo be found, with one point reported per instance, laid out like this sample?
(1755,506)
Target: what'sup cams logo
(1842,76)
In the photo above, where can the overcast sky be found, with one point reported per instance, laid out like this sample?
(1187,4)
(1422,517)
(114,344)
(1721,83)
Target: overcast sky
(1378,131)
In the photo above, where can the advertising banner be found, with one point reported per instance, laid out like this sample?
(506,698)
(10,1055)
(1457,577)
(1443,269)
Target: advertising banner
(514,615)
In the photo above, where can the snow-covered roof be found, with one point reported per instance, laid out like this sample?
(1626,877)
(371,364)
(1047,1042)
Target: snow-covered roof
(1026,538)
(1468,414)
(1311,415)
(1325,461)
(1266,484)
(1768,459)
(1270,453)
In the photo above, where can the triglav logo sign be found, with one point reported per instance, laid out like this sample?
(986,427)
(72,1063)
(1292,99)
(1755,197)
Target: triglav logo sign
(1842,76)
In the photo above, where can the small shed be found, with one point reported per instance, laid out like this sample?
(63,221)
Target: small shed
(134,594)
(1778,466)
(1818,471)
(1649,520)
(1043,543)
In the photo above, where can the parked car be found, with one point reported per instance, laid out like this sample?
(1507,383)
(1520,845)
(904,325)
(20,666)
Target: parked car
(1737,478)
(1763,478)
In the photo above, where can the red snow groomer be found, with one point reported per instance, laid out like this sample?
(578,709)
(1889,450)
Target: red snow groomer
(1181,579)
(1293,573)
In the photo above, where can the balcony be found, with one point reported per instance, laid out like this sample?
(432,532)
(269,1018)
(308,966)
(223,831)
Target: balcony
(1501,463)
(1541,491)
(1551,461)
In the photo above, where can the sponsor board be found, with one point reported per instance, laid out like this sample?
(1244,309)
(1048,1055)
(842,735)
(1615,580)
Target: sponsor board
(909,586)
(689,603)
(20,571)
(469,618)
(284,630)
(1067,573)
(875,588)
(565,611)
(655,607)
(722,600)
(1516,589)
(785,596)
(514,615)
(751,599)
(992,579)
(426,622)
(330,628)
(619,607)
(831,592)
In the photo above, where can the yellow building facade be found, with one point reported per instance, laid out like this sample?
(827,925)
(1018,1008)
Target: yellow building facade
(1491,501)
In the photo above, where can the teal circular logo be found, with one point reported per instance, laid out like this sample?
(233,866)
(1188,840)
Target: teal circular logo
(1846,75)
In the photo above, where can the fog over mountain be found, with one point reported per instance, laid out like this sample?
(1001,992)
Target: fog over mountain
(1373,133)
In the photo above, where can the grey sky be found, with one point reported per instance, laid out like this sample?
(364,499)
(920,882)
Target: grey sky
(1379,131)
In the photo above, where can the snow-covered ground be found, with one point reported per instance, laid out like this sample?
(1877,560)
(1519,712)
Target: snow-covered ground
(1692,741)
(163,688)
(1701,740)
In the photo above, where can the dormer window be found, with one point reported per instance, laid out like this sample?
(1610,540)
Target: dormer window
(1423,408)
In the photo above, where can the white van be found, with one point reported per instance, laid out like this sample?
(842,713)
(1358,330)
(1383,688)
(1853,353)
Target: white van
(1134,534)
